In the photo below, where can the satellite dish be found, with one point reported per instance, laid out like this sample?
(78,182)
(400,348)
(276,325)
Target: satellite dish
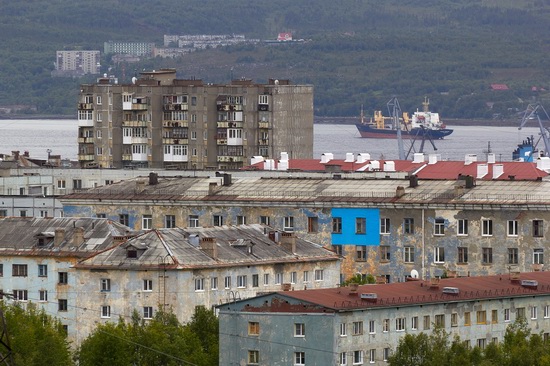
(414,273)
(134,79)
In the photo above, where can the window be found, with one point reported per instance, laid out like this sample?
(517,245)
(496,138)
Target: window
(361,252)
(105,284)
(439,255)
(386,354)
(462,255)
(61,184)
(199,284)
(217,220)
(538,256)
(241,220)
(193,221)
(98,99)
(253,357)
(22,213)
(372,356)
(101,215)
(534,312)
(193,135)
(312,224)
(299,330)
(319,274)
(462,227)
(337,225)
(338,249)
(408,225)
(170,221)
(147,312)
(19,270)
(293,277)
(77,183)
(486,227)
(147,285)
(288,224)
(63,278)
(227,282)
(384,225)
(343,359)
(400,324)
(241,281)
(123,219)
(357,328)
(546,311)
(409,254)
(42,270)
(481,317)
(214,283)
(264,220)
(62,305)
(372,327)
(385,325)
(20,295)
(357,357)
(467,318)
(384,253)
(343,329)
(506,315)
(253,328)
(513,256)
(147,222)
(3,213)
(414,323)
(481,343)
(306,276)
(512,228)
(440,320)
(439,227)
(360,225)
(299,358)
(106,311)
(1,270)
(278,278)
(487,255)
(255,280)
(43,295)
(520,313)
(266,279)
(538,229)
(454,319)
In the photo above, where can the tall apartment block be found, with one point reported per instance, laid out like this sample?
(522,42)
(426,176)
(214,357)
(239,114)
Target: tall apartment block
(77,62)
(159,121)
(129,48)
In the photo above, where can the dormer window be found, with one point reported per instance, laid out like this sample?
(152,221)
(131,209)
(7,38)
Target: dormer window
(44,239)
(131,253)
(135,250)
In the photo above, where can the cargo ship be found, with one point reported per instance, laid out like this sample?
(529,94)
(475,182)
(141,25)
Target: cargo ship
(423,124)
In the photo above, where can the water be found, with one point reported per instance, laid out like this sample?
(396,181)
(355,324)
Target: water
(60,136)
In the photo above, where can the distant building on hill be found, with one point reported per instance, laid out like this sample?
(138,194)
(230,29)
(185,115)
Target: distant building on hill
(129,48)
(76,63)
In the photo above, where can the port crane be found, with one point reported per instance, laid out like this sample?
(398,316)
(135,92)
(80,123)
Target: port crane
(534,111)
(394,110)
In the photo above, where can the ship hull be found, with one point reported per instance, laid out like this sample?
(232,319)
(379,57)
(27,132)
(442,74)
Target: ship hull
(367,131)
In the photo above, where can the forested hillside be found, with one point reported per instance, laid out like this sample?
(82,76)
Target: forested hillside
(356,51)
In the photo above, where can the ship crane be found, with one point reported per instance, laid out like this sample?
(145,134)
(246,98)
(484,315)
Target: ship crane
(394,110)
(532,112)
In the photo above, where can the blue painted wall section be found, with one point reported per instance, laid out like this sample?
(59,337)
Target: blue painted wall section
(348,235)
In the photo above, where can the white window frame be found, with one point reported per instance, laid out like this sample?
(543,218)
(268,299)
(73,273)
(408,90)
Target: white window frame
(147,312)
(193,220)
(343,359)
(439,227)
(486,227)
(147,222)
(213,283)
(266,279)
(400,324)
(43,295)
(534,312)
(299,330)
(306,276)
(293,277)
(343,329)
(408,255)
(358,357)
(241,281)
(507,315)
(319,275)
(372,327)
(358,327)
(227,282)
(512,228)
(538,256)
(279,278)
(299,358)
(147,285)
(288,223)
(385,326)
(414,323)
(546,311)
(372,355)
(105,284)
(105,312)
(439,255)
(199,284)
(462,227)
(385,226)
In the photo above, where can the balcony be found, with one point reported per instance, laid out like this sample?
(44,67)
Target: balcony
(127,157)
(174,141)
(172,123)
(85,106)
(85,140)
(221,141)
(85,157)
(263,107)
(135,123)
(176,107)
(263,142)
(230,124)
(85,123)
(263,124)
(175,158)
(230,159)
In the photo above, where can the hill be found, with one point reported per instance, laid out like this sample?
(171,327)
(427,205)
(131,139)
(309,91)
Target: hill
(358,52)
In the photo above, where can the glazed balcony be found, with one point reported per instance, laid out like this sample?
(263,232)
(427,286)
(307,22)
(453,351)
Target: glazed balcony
(230,159)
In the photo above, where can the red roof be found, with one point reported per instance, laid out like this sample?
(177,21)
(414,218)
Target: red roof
(421,292)
(499,87)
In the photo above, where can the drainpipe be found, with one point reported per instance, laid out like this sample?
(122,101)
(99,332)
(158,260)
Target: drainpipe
(423,247)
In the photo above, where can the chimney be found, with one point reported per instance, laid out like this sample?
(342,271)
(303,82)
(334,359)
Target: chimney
(418,158)
(140,186)
(78,236)
(400,192)
(256,160)
(326,157)
(210,247)
(482,170)
(288,241)
(15,155)
(153,178)
(470,158)
(498,170)
(432,159)
(349,158)
(212,188)
(59,237)
(459,190)
(491,158)
(413,181)
(362,158)
(389,166)
(284,156)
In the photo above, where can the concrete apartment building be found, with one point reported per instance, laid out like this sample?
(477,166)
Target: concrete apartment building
(129,48)
(363,325)
(160,121)
(77,63)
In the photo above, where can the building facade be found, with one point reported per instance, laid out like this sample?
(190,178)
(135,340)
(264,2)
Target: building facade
(163,122)
(179,269)
(129,48)
(77,62)
(359,326)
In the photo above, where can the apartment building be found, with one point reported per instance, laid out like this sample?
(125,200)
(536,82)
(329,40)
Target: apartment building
(71,63)
(129,48)
(163,122)
(362,325)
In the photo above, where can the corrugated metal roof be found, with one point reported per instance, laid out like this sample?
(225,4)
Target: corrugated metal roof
(420,292)
(175,248)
